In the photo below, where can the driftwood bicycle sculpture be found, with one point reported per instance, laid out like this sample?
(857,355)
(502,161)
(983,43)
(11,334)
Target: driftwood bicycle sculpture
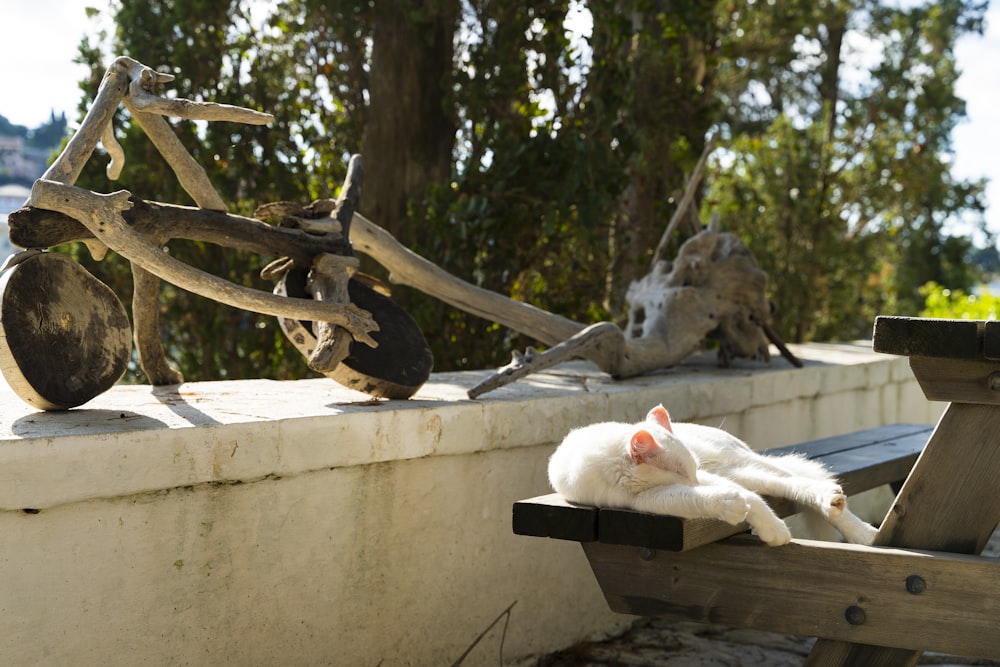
(65,336)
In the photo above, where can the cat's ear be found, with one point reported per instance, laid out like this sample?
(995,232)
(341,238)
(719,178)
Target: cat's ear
(642,446)
(658,415)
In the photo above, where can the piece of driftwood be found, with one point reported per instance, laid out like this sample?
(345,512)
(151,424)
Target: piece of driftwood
(712,289)
(98,220)
(63,333)
(395,369)
(102,216)
(330,273)
(709,270)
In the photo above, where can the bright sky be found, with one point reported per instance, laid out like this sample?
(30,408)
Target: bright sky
(977,140)
(38,41)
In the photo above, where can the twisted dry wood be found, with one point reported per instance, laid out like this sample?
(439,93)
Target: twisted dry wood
(408,268)
(146,291)
(328,283)
(330,274)
(678,323)
(132,83)
(101,214)
(695,289)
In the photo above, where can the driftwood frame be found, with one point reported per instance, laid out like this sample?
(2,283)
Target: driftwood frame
(58,212)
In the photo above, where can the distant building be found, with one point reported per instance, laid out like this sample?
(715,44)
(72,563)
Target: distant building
(20,162)
(5,246)
(12,197)
(24,157)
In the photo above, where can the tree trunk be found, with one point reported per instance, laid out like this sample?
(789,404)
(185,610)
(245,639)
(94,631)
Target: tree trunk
(410,132)
(666,76)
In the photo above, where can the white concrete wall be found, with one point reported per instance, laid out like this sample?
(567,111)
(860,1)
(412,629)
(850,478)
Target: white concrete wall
(295,523)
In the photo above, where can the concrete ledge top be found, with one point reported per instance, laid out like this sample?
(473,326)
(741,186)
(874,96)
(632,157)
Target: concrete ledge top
(135,439)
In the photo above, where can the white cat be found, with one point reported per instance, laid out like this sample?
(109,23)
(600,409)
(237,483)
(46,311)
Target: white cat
(694,471)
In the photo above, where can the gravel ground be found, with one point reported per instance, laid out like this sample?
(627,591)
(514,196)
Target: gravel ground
(672,644)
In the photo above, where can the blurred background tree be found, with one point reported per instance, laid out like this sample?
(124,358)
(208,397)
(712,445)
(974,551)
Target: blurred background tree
(539,151)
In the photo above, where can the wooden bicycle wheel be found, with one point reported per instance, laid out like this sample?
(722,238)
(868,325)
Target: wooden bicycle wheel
(64,335)
(400,364)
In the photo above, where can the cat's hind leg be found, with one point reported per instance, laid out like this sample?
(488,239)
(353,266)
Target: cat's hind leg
(819,493)
(854,529)
(817,490)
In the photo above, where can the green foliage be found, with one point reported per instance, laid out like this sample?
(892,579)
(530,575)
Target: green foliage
(957,304)
(824,277)
(527,210)
(546,168)
(842,188)
(653,87)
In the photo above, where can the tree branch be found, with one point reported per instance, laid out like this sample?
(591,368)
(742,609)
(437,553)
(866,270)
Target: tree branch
(101,214)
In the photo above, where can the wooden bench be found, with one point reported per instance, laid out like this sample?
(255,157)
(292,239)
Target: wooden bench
(922,586)
(862,460)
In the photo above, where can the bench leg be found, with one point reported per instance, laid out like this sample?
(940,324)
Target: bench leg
(948,503)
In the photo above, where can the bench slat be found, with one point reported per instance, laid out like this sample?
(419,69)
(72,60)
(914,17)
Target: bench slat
(890,461)
(991,342)
(551,516)
(929,337)
(849,441)
(861,460)
(838,591)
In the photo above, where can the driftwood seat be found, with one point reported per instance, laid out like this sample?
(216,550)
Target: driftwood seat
(861,460)
(922,586)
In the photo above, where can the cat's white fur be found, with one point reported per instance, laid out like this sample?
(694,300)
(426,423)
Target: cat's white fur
(694,471)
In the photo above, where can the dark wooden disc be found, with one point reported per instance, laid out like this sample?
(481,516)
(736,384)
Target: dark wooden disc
(64,335)
(400,364)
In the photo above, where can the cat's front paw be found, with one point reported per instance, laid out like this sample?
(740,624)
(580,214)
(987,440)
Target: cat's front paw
(732,506)
(773,533)
(831,501)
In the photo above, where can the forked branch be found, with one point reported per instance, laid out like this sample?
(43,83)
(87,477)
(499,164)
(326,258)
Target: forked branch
(102,215)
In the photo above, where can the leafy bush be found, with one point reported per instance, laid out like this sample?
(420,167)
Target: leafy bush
(955,304)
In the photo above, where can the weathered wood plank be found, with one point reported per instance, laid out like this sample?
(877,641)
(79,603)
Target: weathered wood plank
(839,443)
(991,340)
(833,653)
(628,527)
(64,335)
(950,500)
(840,591)
(929,337)
(948,503)
(958,380)
(551,516)
(864,468)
